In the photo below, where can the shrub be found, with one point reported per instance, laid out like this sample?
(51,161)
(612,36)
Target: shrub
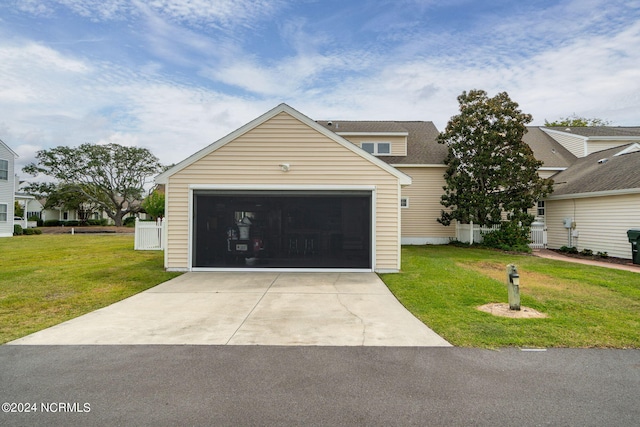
(101,221)
(510,237)
(586,252)
(51,223)
(31,231)
(17,230)
(129,222)
(602,255)
(71,223)
(569,249)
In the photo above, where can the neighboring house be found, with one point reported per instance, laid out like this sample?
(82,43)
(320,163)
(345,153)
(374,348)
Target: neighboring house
(7,189)
(61,214)
(598,199)
(598,195)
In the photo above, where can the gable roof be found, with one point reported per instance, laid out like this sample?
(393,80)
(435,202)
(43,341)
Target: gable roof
(548,150)
(9,148)
(282,108)
(422,146)
(612,171)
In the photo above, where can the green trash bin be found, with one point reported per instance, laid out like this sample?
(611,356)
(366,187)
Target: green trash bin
(634,238)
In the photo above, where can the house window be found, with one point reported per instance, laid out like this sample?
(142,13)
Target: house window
(404,202)
(541,208)
(65,216)
(3,213)
(4,170)
(377,148)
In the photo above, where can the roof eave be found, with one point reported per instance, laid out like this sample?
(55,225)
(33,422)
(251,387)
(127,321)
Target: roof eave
(604,193)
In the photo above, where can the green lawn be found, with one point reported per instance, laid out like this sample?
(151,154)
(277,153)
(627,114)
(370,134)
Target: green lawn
(47,279)
(586,306)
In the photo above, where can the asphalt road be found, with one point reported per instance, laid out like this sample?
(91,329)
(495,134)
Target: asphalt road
(255,385)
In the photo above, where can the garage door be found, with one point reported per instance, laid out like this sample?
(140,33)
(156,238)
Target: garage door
(282,229)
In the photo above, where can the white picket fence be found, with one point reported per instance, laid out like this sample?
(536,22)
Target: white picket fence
(472,233)
(538,236)
(149,236)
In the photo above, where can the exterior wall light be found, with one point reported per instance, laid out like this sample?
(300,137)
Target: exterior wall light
(285,167)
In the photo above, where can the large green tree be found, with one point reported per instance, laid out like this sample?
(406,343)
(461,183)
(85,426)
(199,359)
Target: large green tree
(490,170)
(110,176)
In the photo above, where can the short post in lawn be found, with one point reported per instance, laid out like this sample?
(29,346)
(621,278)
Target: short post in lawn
(513,287)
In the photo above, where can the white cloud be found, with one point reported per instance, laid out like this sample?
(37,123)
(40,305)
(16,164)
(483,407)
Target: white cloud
(51,97)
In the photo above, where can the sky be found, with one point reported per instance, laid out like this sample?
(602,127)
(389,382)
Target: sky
(174,76)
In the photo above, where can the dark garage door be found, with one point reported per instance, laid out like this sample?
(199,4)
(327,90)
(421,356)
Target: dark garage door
(282,229)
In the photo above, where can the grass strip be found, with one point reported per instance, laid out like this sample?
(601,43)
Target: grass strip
(586,306)
(48,279)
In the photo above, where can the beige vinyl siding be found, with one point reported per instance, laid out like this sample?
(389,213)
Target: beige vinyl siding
(595,146)
(602,223)
(419,220)
(254,158)
(398,143)
(574,143)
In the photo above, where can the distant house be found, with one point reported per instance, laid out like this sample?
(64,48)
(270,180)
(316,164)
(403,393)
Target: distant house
(7,189)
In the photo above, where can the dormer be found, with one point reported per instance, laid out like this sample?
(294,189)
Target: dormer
(382,139)
(379,143)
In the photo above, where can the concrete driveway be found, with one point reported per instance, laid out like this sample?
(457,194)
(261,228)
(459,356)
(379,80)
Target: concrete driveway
(323,309)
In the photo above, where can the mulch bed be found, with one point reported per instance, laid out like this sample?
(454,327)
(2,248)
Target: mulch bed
(612,260)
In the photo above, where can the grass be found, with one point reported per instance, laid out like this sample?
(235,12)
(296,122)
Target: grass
(586,306)
(48,279)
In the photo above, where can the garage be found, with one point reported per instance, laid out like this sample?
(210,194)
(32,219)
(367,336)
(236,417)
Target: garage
(282,193)
(282,229)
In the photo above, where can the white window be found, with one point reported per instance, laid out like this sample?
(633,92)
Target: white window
(404,202)
(377,148)
(3,213)
(4,170)
(541,208)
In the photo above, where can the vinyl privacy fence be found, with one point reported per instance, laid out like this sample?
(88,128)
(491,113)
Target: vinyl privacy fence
(150,235)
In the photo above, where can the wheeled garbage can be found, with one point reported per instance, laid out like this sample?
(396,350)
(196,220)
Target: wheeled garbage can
(634,238)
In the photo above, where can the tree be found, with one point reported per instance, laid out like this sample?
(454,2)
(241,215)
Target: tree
(576,121)
(110,176)
(490,170)
(153,204)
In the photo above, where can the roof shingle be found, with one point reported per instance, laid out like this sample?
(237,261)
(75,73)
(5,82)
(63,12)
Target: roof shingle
(601,171)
